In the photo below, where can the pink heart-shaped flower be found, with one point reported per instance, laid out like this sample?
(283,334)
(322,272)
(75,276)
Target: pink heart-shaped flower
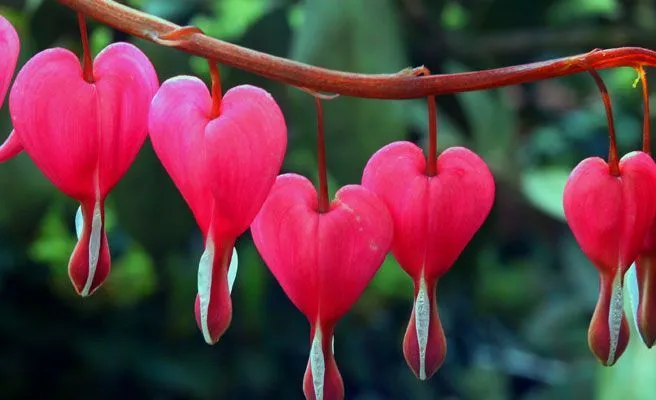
(84,136)
(323,261)
(9,50)
(224,168)
(610,217)
(434,219)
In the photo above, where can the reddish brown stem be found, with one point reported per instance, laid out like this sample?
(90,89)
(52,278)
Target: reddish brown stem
(431,158)
(613,158)
(216,89)
(87,64)
(646,123)
(384,86)
(324,201)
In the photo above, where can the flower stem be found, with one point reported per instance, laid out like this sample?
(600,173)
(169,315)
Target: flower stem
(380,86)
(613,158)
(646,124)
(216,89)
(324,203)
(87,64)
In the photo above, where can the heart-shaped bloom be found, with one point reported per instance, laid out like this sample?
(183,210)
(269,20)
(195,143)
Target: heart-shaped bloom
(323,261)
(9,49)
(84,136)
(434,219)
(224,168)
(610,217)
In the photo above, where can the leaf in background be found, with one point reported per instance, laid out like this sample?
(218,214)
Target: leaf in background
(493,124)
(231,18)
(100,38)
(391,281)
(334,34)
(53,247)
(543,188)
(568,10)
(132,277)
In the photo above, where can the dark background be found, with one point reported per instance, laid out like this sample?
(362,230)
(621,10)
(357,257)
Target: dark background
(516,305)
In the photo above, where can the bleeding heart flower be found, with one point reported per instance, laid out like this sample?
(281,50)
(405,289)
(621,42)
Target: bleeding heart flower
(9,49)
(434,219)
(224,168)
(610,217)
(84,136)
(323,261)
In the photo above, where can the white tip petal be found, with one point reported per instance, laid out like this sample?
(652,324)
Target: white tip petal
(317,364)
(631,285)
(205,286)
(422,323)
(79,223)
(94,247)
(232,269)
(615,314)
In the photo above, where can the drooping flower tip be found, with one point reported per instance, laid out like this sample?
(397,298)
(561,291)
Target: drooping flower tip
(90,261)
(642,283)
(608,334)
(213,307)
(322,380)
(424,343)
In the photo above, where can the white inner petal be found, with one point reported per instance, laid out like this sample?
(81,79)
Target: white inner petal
(232,269)
(94,246)
(332,345)
(422,322)
(615,314)
(205,285)
(79,223)
(317,364)
(631,285)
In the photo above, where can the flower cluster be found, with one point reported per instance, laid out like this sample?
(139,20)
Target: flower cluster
(83,123)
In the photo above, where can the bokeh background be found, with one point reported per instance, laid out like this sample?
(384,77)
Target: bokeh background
(516,305)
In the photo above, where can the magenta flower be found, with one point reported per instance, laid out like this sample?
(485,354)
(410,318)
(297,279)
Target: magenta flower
(610,217)
(323,261)
(224,168)
(84,135)
(434,219)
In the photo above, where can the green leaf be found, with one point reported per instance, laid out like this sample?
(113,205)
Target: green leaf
(335,35)
(567,10)
(543,188)
(493,123)
(132,278)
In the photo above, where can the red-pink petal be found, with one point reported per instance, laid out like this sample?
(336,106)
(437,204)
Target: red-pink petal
(9,50)
(179,114)
(83,138)
(434,217)
(245,147)
(11,147)
(323,261)
(611,216)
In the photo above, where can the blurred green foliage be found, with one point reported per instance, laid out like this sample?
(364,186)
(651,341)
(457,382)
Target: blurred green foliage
(516,305)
